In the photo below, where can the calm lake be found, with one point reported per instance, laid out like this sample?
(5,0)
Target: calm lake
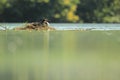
(64,54)
(72,26)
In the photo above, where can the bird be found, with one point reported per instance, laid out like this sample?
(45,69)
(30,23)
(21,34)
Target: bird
(43,23)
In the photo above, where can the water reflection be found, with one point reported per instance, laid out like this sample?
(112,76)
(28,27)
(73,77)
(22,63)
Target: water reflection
(59,55)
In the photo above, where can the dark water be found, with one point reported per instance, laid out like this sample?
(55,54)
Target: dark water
(72,26)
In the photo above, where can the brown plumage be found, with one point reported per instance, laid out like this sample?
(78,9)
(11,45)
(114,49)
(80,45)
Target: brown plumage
(43,25)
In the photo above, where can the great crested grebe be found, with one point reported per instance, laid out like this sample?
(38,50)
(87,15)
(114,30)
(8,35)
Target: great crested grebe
(42,25)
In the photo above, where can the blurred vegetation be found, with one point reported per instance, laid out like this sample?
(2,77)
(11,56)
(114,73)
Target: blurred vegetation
(92,11)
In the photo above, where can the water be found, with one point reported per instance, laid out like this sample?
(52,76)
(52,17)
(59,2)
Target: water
(86,26)
(72,26)
(60,55)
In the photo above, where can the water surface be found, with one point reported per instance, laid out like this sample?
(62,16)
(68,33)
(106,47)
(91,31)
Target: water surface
(72,26)
(62,54)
